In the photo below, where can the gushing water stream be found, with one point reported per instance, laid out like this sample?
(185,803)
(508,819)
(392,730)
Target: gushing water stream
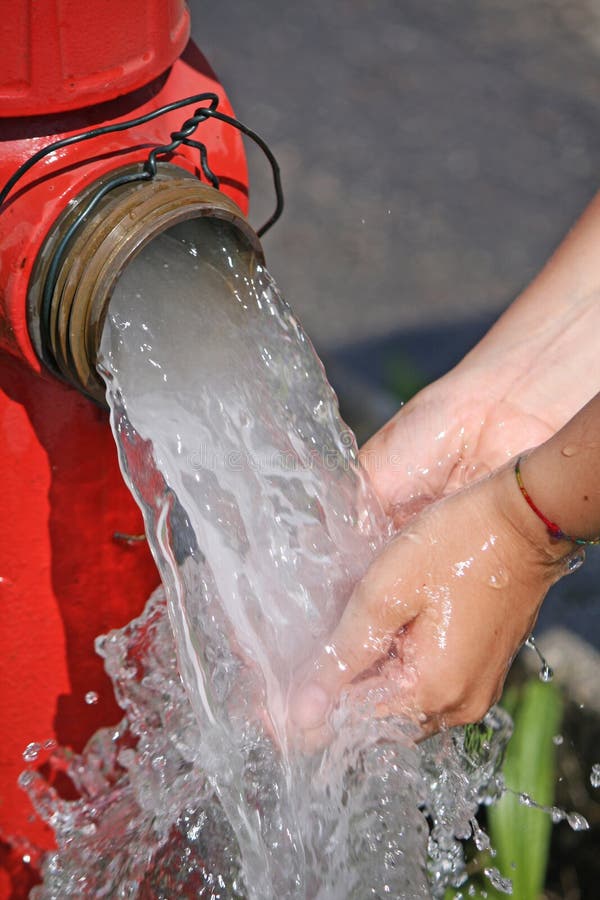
(261,521)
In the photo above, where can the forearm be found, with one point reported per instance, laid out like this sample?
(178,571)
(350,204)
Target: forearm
(562,476)
(532,372)
(559,294)
(546,342)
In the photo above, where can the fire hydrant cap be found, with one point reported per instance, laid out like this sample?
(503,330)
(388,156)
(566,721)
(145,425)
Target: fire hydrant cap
(59,55)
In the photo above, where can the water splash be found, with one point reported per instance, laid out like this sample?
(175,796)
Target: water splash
(575,561)
(32,751)
(504,885)
(576,821)
(261,521)
(546,673)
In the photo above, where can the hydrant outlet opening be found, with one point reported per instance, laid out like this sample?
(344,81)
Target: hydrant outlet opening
(66,317)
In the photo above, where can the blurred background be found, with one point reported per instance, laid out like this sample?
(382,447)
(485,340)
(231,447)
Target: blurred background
(433,154)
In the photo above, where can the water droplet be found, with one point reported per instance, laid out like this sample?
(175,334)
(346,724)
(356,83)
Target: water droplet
(158,763)
(557,740)
(499,579)
(193,832)
(570,450)
(480,837)
(31,752)
(546,673)
(504,885)
(25,780)
(475,472)
(526,800)
(557,815)
(26,858)
(577,822)
(595,775)
(91,698)
(575,561)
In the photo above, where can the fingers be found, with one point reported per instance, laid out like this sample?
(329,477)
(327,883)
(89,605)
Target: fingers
(389,470)
(416,432)
(428,695)
(379,607)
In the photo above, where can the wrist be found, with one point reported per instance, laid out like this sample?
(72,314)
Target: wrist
(536,545)
(562,478)
(545,365)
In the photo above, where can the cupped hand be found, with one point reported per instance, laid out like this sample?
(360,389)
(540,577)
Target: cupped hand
(431,630)
(455,431)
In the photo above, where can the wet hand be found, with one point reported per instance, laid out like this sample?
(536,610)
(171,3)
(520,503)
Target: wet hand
(431,630)
(454,432)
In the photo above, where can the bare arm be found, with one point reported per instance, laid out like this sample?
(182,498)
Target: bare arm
(535,368)
(545,346)
(557,296)
(563,476)
(433,627)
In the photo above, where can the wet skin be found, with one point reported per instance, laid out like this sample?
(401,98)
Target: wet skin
(433,627)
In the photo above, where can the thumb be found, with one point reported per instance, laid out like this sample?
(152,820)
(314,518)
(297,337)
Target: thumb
(379,606)
(388,457)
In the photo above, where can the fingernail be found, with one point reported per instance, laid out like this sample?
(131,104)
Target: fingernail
(310,706)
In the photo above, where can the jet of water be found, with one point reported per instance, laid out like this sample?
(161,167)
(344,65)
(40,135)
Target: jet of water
(261,521)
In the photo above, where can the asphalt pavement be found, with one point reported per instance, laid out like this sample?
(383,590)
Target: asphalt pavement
(433,153)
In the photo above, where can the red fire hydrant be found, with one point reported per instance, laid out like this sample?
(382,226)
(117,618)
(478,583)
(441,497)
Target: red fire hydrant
(67,66)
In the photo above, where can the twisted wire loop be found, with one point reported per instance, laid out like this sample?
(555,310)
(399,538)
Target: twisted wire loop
(183,136)
(147,172)
(149,169)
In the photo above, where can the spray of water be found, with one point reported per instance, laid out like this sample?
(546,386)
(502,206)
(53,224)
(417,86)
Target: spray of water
(261,521)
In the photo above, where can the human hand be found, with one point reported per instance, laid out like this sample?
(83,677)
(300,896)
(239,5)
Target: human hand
(453,432)
(431,630)
(528,376)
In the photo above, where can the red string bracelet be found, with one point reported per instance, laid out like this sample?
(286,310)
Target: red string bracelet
(554,530)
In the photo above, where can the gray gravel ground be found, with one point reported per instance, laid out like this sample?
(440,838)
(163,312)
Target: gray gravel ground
(433,151)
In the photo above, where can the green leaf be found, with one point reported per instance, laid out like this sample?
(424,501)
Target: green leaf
(521,834)
(404,377)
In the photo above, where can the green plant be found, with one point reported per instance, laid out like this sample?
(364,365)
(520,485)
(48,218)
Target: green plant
(404,377)
(519,833)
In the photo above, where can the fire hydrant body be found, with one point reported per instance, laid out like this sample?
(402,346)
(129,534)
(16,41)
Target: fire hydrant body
(64,577)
